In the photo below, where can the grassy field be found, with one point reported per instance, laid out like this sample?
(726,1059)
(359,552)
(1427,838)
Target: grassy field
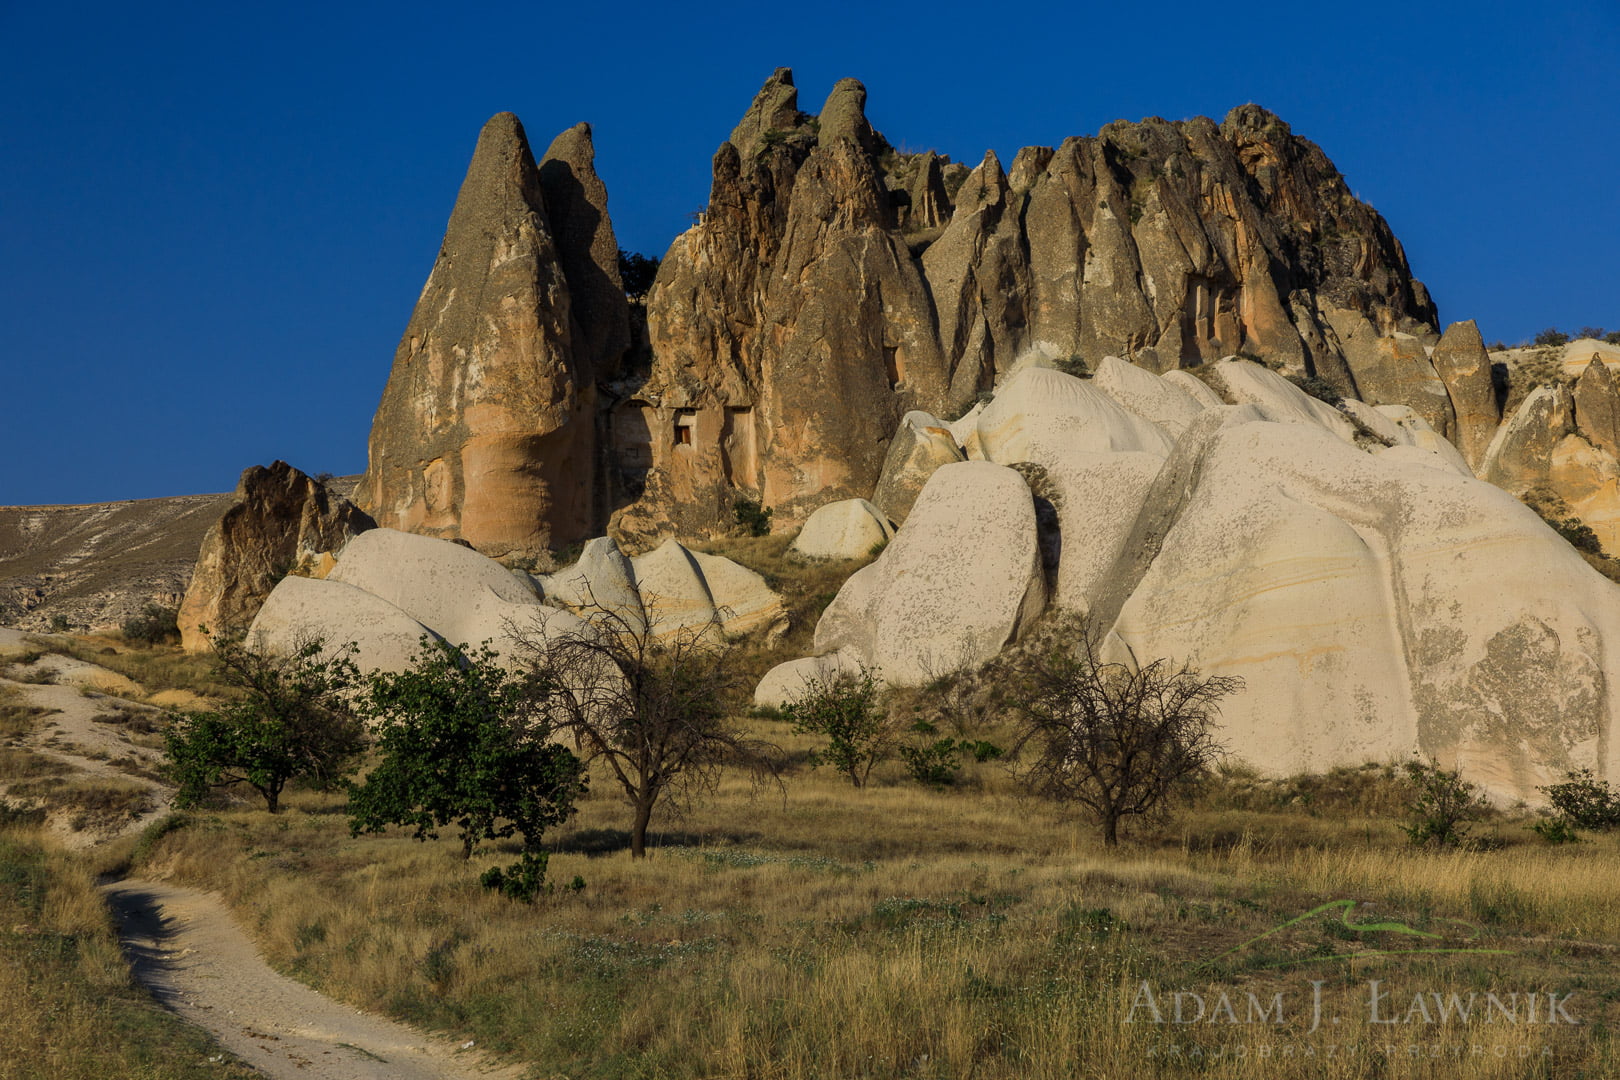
(903,932)
(818,931)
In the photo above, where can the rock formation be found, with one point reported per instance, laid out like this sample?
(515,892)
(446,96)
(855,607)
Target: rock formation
(487,427)
(848,529)
(1376,598)
(791,328)
(282,522)
(1464,366)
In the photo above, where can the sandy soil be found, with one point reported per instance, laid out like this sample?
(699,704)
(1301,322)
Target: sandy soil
(185,948)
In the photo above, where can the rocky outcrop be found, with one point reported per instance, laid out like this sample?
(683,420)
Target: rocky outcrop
(282,522)
(1464,366)
(1358,578)
(487,427)
(791,329)
(390,589)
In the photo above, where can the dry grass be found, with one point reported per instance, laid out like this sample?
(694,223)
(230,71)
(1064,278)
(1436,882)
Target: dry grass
(70,1010)
(901,932)
(157,668)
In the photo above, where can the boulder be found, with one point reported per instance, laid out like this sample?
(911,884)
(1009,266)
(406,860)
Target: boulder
(302,609)
(959,582)
(1195,388)
(1392,608)
(1165,404)
(847,529)
(1520,454)
(1396,370)
(282,522)
(464,597)
(920,445)
(603,581)
(1278,399)
(1043,416)
(742,599)
(787,682)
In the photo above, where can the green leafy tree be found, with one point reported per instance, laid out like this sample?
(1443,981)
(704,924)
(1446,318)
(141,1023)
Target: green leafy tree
(292,720)
(463,742)
(845,710)
(655,708)
(1441,805)
(1117,739)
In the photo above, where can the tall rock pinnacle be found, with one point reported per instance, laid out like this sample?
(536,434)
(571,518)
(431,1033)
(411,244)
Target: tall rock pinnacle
(486,428)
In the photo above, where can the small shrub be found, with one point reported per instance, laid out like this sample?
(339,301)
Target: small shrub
(845,710)
(1584,801)
(754,519)
(524,880)
(153,625)
(1556,831)
(59,624)
(1593,332)
(1073,365)
(1318,388)
(1551,336)
(933,763)
(1612,337)
(1442,804)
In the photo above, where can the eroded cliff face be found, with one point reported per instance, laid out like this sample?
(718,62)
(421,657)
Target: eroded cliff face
(791,329)
(487,430)
(834,284)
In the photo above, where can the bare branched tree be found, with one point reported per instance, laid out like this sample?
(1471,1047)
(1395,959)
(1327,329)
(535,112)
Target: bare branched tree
(1117,739)
(655,708)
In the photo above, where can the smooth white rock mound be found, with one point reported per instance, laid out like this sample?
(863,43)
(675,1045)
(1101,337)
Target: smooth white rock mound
(847,529)
(961,580)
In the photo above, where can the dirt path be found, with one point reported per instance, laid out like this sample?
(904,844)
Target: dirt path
(186,949)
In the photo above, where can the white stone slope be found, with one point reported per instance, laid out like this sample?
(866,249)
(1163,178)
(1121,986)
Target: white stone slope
(1377,600)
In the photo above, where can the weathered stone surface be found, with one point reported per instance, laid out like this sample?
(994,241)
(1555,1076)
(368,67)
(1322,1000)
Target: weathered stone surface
(1463,364)
(1278,399)
(1597,407)
(929,207)
(1520,456)
(302,609)
(847,529)
(787,682)
(775,109)
(978,273)
(1098,498)
(1195,388)
(684,591)
(742,599)
(577,211)
(486,430)
(1388,607)
(920,445)
(1395,370)
(1160,402)
(602,581)
(1043,416)
(1412,430)
(282,522)
(960,581)
(791,330)
(464,597)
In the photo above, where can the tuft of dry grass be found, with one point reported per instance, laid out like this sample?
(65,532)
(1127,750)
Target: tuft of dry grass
(157,668)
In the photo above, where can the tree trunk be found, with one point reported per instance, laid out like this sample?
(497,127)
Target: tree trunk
(1111,830)
(638,829)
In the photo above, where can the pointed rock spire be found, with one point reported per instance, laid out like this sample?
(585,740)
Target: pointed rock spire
(1465,367)
(477,436)
(775,108)
(576,207)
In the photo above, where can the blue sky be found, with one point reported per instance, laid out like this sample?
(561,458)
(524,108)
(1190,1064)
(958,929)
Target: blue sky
(214,219)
